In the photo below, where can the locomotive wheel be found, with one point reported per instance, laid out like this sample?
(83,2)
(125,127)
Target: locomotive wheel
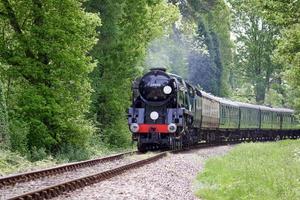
(277,138)
(210,138)
(142,148)
(179,143)
(187,142)
(176,145)
(171,142)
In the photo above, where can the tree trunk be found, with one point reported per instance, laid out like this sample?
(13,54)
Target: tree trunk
(260,90)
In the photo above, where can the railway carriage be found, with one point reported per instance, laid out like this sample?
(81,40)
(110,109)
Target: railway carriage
(287,119)
(210,111)
(229,115)
(277,119)
(210,116)
(198,106)
(168,112)
(288,123)
(267,121)
(249,116)
(229,119)
(266,117)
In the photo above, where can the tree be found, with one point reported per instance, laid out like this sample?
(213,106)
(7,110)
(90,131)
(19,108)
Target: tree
(199,49)
(213,32)
(44,47)
(286,15)
(255,42)
(128,27)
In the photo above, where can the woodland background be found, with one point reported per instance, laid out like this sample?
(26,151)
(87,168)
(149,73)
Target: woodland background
(66,66)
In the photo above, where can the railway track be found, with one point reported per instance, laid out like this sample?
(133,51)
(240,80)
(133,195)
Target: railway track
(58,187)
(29,176)
(83,181)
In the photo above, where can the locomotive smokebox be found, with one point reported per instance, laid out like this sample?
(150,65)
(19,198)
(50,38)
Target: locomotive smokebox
(156,87)
(158,69)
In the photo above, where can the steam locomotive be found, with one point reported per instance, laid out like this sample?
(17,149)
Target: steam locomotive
(168,112)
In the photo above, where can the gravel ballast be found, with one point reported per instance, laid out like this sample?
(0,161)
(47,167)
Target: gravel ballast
(20,188)
(169,178)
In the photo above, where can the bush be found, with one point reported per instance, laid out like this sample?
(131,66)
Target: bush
(18,136)
(69,153)
(117,136)
(37,154)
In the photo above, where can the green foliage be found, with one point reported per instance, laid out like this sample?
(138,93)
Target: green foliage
(253,171)
(12,162)
(213,21)
(274,98)
(37,154)
(199,47)
(245,93)
(19,131)
(218,23)
(4,134)
(128,27)
(44,48)
(284,15)
(288,54)
(70,153)
(255,42)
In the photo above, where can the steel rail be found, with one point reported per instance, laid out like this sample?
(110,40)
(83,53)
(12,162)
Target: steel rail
(56,190)
(69,186)
(28,176)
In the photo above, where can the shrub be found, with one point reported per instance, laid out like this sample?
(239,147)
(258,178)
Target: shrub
(37,154)
(18,136)
(69,153)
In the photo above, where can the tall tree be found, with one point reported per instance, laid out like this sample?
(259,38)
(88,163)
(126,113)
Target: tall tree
(128,27)
(255,41)
(213,29)
(199,48)
(286,15)
(44,47)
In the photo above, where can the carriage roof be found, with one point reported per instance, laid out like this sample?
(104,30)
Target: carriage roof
(248,105)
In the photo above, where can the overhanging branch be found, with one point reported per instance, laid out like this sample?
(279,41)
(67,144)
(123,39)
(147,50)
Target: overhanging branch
(15,25)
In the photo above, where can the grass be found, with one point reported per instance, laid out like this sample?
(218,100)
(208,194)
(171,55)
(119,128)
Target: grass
(253,171)
(13,162)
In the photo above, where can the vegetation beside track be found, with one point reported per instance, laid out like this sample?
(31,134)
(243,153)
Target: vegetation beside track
(13,162)
(253,171)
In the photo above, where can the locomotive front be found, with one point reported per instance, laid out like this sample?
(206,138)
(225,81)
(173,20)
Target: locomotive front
(154,116)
